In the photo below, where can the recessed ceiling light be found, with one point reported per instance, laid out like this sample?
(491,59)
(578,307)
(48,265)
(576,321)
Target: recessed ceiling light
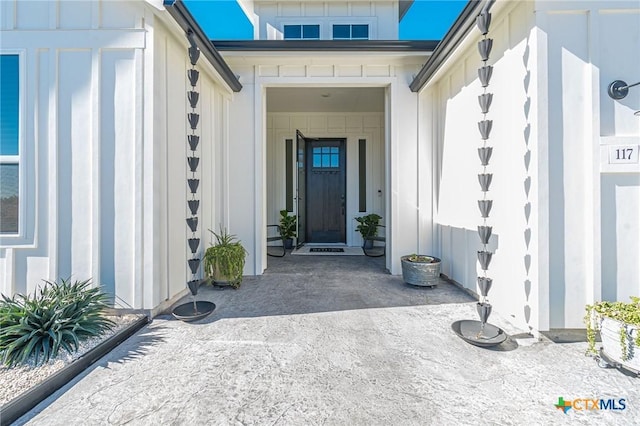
(325,95)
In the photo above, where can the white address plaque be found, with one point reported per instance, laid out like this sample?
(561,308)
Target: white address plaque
(623,154)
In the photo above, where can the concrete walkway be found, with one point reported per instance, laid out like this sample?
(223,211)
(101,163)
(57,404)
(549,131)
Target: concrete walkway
(335,340)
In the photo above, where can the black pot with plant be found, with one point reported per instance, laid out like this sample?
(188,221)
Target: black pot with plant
(288,228)
(368,227)
(224,260)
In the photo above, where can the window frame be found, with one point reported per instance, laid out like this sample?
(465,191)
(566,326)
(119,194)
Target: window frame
(9,240)
(302,25)
(350,25)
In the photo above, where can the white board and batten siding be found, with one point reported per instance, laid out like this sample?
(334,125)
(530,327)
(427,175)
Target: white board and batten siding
(566,228)
(105,147)
(380,16)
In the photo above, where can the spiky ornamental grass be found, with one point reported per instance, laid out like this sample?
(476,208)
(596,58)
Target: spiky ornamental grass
(60,315)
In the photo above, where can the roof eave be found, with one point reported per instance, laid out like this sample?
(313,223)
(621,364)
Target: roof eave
(426,46)
(403,8)
(183,17)
(462,26)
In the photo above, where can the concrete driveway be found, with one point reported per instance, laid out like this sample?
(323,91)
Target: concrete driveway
(335,340)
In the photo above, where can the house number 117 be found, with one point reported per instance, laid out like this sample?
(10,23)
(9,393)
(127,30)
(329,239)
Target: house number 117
(623,154)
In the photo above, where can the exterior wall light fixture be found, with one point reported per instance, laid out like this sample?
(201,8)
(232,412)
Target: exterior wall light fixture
(619,89)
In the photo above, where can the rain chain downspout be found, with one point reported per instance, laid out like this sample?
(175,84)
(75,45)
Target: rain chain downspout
(193,118)
(480,332)
(196,309)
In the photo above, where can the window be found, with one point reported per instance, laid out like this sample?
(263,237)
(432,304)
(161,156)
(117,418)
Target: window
(351,32)
(9,143)
(326,157)
(302,32)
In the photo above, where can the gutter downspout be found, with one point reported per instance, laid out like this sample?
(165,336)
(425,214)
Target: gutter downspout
(183,17)
(459,30)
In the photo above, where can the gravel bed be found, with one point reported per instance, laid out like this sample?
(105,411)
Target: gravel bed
(16,380)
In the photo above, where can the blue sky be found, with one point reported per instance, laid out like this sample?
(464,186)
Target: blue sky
(426,20)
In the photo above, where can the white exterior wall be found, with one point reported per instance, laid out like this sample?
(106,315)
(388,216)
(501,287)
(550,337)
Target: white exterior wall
(381,16)
(170,127)
(594,207)
(353,127)
(406,215)
(556,217)
(451,113)
(73,128)
(105,148)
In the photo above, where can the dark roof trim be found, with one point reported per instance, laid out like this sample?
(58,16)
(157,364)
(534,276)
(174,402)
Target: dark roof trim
(183,17)
(458,31)
(327,45)
(403,8)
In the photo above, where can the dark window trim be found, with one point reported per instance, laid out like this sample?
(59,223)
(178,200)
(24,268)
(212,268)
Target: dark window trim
(362,175)
(289,174)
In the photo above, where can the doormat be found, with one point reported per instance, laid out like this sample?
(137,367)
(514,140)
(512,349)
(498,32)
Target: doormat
(326,250)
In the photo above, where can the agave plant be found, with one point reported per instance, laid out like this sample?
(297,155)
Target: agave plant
(59,316)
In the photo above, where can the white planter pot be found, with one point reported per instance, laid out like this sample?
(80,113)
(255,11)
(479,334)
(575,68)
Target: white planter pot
(610,334)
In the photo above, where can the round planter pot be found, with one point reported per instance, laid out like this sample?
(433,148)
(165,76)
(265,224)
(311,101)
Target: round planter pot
(610,334)
(367,244)
(420,273)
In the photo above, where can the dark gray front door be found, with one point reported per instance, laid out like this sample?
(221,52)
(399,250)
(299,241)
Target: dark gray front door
(325,190)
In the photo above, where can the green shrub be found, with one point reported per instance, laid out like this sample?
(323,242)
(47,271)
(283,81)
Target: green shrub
(60,315)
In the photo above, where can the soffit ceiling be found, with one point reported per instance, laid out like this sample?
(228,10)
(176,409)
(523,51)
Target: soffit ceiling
(325,99)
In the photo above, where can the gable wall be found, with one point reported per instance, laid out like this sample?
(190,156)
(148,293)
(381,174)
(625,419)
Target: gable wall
(381,16)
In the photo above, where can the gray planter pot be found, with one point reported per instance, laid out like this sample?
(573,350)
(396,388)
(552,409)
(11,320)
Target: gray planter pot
(419,273)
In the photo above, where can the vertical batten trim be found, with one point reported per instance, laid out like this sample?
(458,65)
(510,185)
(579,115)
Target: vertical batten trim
(259,179)
(95,166)
(96,8)
(53,164)
(150,254)
(53,14)
(165,183)
(593,245)
(138,184)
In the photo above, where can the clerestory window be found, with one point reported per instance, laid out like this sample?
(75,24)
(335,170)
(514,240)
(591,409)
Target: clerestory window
(302,32)
(351,32)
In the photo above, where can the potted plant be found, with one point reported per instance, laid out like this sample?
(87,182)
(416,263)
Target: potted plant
(368,227)
(224,260)
(619,327)
(288,228)
(421,270)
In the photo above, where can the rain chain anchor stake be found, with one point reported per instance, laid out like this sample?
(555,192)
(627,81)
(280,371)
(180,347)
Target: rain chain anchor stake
(481,333)
(196,309)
